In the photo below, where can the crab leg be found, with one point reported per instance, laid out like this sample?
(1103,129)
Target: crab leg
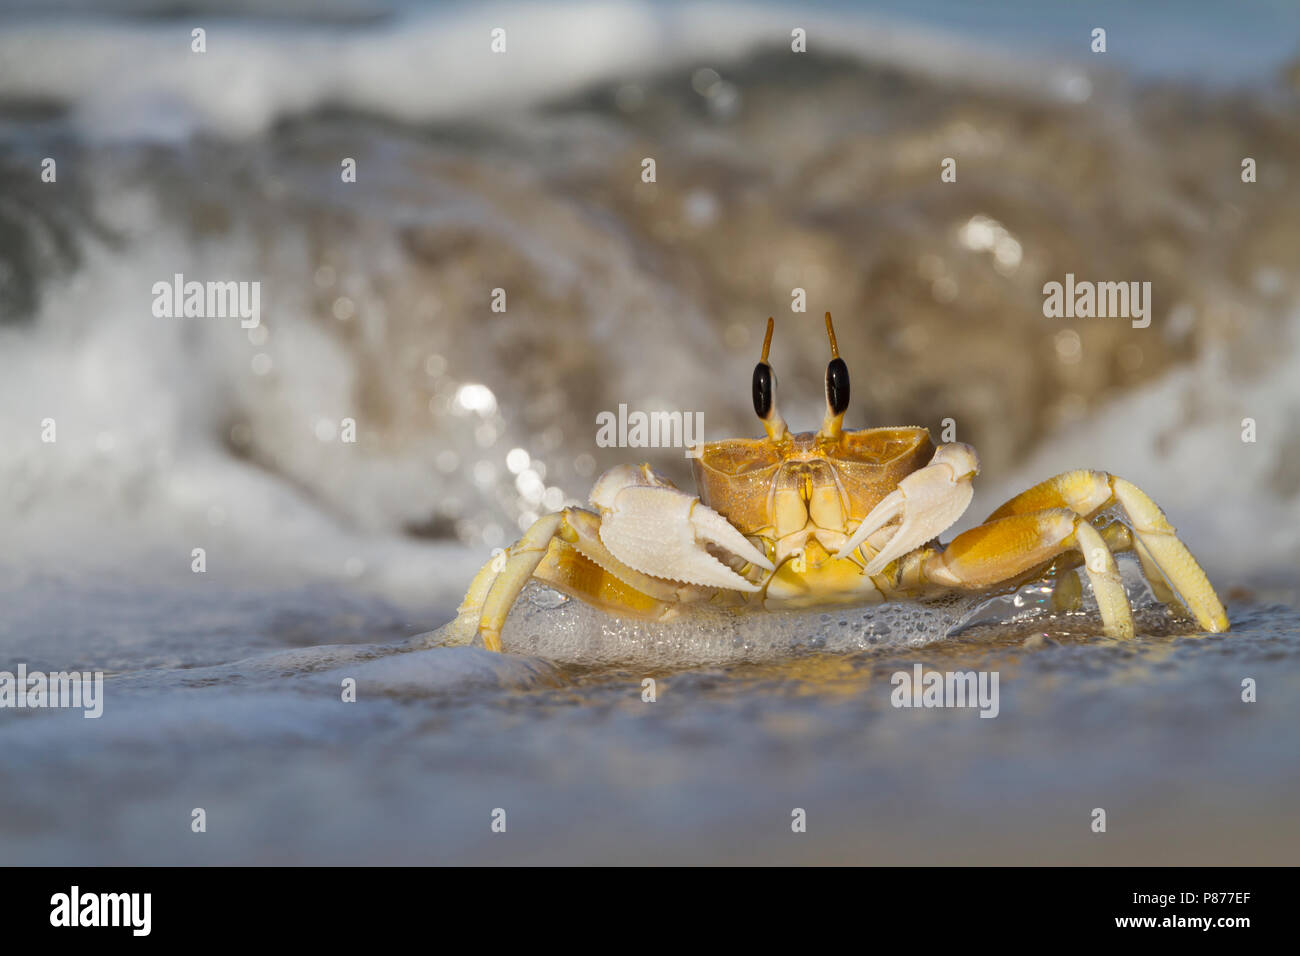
(1002,549)
(1163,556)
(522,559)
(1151,571)
(1066,593)
(1120,538)
(645,553)
(1158,537)
(564,550)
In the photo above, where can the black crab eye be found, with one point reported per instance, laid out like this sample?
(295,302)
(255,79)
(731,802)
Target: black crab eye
(763,383)
(837,386)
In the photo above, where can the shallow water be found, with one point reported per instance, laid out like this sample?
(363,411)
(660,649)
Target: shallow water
(327,561)
(756,720)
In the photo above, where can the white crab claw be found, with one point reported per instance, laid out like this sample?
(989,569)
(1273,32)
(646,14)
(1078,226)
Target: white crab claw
(929,500)
(714,528)
(659,530)
(605,490)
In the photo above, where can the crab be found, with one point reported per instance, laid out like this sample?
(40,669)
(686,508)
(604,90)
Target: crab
(840,516)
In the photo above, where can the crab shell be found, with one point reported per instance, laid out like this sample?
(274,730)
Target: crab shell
(773,488)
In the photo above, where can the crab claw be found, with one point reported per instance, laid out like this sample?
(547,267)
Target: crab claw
(659,530)
(929,501)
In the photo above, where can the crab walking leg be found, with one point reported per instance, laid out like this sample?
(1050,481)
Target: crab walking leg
(567,533)
(522,559)
(565,550)
(1087,492)
(470,611)
(1002,549)
(1155,540)
(1151,571)
(1158,537)
(1066,595)
(1067,592)
(1119,538)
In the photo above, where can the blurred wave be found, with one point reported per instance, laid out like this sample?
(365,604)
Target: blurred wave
(132,79)
(522,172)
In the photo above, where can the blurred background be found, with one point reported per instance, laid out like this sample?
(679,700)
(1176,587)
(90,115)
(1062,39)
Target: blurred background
(523,171)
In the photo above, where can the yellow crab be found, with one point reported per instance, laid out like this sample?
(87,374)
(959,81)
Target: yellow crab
(794,520)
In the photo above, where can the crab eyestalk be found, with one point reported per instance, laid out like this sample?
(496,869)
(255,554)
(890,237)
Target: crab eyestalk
(765,392)
(837,389)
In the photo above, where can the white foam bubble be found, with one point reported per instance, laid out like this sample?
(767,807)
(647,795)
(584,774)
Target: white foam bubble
(545,624)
